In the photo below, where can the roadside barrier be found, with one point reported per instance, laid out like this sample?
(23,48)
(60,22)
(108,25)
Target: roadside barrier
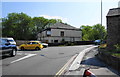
(88,73)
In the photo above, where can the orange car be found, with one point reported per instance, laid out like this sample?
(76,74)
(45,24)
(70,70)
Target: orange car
(32,45)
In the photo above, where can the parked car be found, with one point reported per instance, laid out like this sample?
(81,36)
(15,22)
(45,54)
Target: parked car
(31,45)
(7,48)
(45,45)
(10,40)
(97,42)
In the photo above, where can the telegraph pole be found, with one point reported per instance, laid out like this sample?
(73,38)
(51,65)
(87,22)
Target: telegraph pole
(119,4)
(101,19)
(101,12)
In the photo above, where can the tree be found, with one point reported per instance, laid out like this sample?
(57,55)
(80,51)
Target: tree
(22,27)
(53,21)
(39,24)
(90,33)
(86,32)
(17,25)
(99,32)
(59,20)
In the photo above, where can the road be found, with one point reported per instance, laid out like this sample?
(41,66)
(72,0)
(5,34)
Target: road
(47,61)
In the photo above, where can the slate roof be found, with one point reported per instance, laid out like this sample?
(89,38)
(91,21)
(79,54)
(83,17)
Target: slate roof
(63,26)
(114,12)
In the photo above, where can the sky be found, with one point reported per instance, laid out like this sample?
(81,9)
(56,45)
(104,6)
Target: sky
(75,13)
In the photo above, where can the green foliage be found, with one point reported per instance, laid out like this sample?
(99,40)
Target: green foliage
(116,54)
(90,33)
(99,32)
(22,27)
(59,20)
(39,24)
(112,53)
(17,25)
(117,46)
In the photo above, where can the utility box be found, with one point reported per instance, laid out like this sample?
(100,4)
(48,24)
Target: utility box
(113,28)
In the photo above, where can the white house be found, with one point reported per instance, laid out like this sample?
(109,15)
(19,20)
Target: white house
(60,32)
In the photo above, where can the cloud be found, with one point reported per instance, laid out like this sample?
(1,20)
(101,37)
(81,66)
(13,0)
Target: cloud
(55,17)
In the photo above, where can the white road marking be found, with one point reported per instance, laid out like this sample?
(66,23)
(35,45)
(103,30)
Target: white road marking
(65,66)
(19,53)
(25,57)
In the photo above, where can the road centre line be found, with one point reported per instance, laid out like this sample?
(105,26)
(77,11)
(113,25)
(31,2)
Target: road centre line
(25,57)
(65,66)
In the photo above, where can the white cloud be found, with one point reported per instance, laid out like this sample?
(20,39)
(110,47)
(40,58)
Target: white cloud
(55,17)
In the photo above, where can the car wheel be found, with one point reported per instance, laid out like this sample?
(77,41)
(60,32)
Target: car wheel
(37,48)
(22,48)
(13,53)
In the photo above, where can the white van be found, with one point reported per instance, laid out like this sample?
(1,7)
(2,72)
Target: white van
(10,40)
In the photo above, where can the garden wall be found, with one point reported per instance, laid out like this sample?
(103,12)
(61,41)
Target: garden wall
(110,60)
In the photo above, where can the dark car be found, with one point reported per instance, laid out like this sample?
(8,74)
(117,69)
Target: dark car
(97,42)
(7,48)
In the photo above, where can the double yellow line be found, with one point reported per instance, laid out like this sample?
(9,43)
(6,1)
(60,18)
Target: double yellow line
(61,71)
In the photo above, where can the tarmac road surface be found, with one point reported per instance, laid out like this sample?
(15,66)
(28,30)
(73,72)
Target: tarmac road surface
(47,61)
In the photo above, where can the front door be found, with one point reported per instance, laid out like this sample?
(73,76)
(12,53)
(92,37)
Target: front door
(28,45)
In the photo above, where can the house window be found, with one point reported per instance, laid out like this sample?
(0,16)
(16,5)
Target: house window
(48,33)
(62,33)
(55,41)
(51,41)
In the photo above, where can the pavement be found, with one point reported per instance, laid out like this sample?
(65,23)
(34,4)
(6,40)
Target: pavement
(88,59)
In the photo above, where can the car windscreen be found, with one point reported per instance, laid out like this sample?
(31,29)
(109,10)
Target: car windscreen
(40,42)
(2,41)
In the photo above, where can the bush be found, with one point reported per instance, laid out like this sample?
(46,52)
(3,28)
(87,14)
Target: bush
(117,46)
(116,54)
(103,46)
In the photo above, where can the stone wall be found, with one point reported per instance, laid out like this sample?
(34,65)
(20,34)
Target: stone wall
(112,61)
(113,28)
